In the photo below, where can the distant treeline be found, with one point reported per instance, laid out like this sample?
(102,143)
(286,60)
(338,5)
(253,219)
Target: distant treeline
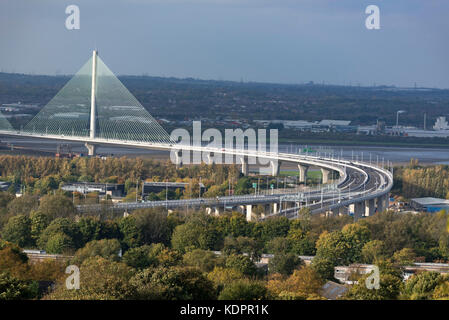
(415,181)
(180,99)
(43,174)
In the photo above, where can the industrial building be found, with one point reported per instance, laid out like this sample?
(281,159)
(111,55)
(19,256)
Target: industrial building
(429,204)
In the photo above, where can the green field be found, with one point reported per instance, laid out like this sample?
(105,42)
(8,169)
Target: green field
(311,174)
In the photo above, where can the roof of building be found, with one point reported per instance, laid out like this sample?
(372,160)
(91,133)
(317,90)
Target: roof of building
(334,122)
(332,290)
(429,201)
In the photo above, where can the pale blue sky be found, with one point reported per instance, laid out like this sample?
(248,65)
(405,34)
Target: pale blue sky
(287,41)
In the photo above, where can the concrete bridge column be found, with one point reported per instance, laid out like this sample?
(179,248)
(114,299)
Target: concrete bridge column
(215,211)
(275,167)
(244,162)
(210,159)
(178,159)
(249,212)
(275,207)
(379,205)
(369,207)
(359,210)
(326,173)
(351,208)
(382,203)
(90,149)
(303,172)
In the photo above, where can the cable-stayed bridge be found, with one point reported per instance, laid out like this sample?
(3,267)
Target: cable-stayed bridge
(95,108)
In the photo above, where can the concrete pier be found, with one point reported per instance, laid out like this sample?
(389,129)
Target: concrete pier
(303,172)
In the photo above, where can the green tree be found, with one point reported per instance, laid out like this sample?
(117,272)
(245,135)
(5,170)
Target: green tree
(195,234)
(241,263)
(202,259)
(18,230)
(279,245)
(244,290)
(390,285)
(221,276)
(5,199)
(12,288)
(59,243)
(64,226)
(421,286)
(39,222)
(130,232)
(57,206)
(153,225)
(106,248)
(90,229)
(357,236)
(275,227)
(174,283)
(284,263)
(405,256)
(23,205)
(100,279)
(141,257)
(242,245)
(324,267)
(373,251)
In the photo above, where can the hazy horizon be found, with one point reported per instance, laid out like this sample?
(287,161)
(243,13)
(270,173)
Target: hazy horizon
(282,42)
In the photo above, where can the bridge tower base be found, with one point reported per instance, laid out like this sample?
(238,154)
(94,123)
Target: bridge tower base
(91,149)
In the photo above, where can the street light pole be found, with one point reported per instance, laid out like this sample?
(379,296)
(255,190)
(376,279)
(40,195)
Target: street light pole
(397,116)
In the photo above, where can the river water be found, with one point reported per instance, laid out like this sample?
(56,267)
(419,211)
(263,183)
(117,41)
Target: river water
(393,154)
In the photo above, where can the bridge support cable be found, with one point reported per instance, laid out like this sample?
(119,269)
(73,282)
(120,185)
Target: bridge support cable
(68,112)
(120,115)
(97,107)
(5,125)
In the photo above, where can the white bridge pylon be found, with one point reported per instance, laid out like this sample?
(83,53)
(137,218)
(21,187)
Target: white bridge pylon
(95,104)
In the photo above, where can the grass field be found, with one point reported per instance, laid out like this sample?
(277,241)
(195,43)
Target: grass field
(311,174)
